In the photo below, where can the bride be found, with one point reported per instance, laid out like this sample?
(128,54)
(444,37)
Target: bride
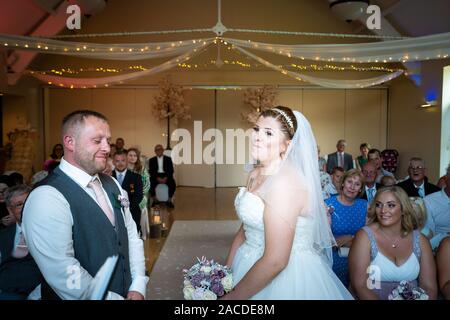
(283,247)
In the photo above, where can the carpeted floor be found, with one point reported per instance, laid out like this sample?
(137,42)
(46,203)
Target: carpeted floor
(188,239)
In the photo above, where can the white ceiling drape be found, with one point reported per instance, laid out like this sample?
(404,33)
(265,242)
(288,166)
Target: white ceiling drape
(411,49)
(118,79)
(122,51)
(328,83)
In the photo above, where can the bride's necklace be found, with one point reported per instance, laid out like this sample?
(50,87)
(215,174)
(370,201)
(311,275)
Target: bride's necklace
(394,243)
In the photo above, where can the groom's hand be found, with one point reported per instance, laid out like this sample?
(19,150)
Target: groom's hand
(134,295)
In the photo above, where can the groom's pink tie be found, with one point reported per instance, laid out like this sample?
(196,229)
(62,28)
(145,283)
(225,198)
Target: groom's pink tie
(101,199)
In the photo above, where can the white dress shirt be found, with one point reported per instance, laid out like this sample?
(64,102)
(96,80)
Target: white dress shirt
(341,159)
(17,236)
(421,190)
(438,216)
(160,164)
(47,225)
(123,173)
(368,193)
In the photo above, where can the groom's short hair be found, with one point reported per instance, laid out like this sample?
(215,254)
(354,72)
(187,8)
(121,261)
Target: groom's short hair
(74,121)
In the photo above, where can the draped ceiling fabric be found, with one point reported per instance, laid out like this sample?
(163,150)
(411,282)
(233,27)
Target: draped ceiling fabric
(124,51)
(411,49)
(119,79)
(327,83)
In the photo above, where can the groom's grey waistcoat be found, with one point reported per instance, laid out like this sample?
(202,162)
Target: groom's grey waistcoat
(94,237)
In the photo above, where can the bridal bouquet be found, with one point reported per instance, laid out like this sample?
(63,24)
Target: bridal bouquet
(206,280)
(406,291)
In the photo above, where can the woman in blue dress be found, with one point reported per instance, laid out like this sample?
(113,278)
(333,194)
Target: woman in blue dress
(348,215)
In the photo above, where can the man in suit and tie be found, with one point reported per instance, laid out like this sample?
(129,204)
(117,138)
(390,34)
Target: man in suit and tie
(19,274)
(161,172)
(77,218)
(131,182)
(369,170)
(417,184)
(340,158)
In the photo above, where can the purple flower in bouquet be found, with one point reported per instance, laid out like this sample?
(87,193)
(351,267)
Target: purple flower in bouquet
(406,291)
(206,280)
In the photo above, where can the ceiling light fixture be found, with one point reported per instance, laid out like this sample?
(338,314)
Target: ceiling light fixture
(349,10)
(428,104)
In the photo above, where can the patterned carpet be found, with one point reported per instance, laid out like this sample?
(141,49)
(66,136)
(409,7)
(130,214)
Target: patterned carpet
(188,240)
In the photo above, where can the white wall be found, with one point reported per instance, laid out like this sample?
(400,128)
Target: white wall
(445,123)
(355,115)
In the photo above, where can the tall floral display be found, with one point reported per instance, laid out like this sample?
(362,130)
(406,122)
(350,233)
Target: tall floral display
(258,99)
(23,152)
(169,104)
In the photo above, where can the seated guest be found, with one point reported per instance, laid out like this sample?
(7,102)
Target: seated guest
(109,167)
(120,145)
(417,184)
(391,249)
(110,161)
(340,158)
(113,150)
(57,152)
(374,155)
(362,159)
(131,182)
(55,156)
(438,211)
(443,181)
(370,188)
(6,219)
(161,172)
(322,161)
(16,178)
(387,181)
(443,267)
(332,188)
(348,215)
(135,165)
(19,274)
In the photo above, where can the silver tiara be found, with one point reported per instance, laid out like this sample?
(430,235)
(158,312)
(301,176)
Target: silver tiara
(285,116)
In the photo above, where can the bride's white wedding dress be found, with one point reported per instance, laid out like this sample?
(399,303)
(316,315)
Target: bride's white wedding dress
(307,275)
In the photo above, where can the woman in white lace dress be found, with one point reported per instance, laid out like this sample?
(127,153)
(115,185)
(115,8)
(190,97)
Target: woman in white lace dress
(283,248)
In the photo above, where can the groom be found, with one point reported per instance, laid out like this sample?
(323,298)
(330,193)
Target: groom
(77,218)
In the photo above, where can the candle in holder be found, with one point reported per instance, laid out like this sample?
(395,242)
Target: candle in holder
(156,219)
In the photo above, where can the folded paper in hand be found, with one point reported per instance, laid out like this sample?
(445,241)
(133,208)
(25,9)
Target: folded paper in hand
(97,287)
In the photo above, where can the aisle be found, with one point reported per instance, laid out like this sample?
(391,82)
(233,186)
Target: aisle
(193,203)
(188,240)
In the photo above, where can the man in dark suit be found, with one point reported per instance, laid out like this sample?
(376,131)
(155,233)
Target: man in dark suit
(417,184)
(340,158)
(161,172)
(19,274)
(131,182)
(369,170)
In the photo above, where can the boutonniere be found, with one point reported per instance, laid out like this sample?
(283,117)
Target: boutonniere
(132,187)
(124,203)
